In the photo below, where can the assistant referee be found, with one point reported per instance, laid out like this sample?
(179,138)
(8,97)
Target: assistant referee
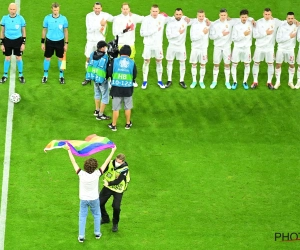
(54,39)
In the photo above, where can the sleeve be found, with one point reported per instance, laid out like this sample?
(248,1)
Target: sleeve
(258,31)
(90,26)
(109,72)
(66,24)
(45,22)
(109,17)
(278,22)
(214,33)
(117,26)
(171,31)
(146,30)
(134,71)
(117,181)
(236,35)
(23,22)
(298,35)
(195,34)
(138,18)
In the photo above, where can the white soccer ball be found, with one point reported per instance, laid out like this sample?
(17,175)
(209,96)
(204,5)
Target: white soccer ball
(15,97)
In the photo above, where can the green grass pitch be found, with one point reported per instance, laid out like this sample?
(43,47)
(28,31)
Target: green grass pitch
(210,169)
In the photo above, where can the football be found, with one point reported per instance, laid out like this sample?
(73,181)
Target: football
(15,97)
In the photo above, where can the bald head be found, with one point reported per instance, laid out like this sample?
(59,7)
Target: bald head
(12,9)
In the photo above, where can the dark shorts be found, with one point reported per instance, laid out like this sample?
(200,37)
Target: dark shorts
(54,46)
(12,46)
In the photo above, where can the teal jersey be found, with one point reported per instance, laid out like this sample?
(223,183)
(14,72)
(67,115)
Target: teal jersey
(55,27)
(13,26)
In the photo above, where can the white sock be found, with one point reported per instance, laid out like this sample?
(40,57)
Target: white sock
(277,75)
(182,70)
(246,72)
(233,72)
(169,70)
(255,71)
(291,74)
(270,72)
(159,70)
(202,73)
(145,71)
(194,73)
(227,73)
(215,73)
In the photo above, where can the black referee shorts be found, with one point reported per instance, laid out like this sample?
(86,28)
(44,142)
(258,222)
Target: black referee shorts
(12,46)
(54,46)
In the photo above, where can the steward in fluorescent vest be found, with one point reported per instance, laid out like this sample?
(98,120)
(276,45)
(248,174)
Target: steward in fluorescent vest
(116,179)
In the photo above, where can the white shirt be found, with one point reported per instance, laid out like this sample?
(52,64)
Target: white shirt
(216,32)
(238,37)
(198,38)
(93,25)
(119,24)
(88,185)
(260,34)
(149,30)
(285,42)
(172,32)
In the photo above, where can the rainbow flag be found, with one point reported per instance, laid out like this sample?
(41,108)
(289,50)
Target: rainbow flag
(91,145)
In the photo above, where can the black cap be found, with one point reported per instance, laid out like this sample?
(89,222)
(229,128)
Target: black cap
(125,50)
(101,44)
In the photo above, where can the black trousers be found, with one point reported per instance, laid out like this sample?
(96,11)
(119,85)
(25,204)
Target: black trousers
(105,194)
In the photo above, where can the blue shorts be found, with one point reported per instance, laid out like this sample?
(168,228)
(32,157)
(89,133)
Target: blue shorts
(101,92)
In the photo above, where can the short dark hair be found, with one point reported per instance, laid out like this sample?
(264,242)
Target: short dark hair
(178,9)
(98,3)
(200,11)
(90,165)
(267,9)
(125,50)
(154,6)
(223,10)
(244,12)
(290,13)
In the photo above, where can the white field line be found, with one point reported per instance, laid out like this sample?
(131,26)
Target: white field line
(7,149)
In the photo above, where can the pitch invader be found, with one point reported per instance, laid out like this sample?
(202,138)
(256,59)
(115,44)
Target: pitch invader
(265,33)
(152,29)
(12,40)
(286,39)
(199,37)
(220,32)
(124,26)
(242,39)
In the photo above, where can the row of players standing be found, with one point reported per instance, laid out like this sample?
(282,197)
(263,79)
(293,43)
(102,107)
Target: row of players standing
(223,31)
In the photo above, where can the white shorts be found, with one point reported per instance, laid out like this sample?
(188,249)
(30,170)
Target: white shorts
(287,56)
(150,52)
(178,53)
(198,55)
(220,54)
(89,48)
(241,54)
(263,55)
